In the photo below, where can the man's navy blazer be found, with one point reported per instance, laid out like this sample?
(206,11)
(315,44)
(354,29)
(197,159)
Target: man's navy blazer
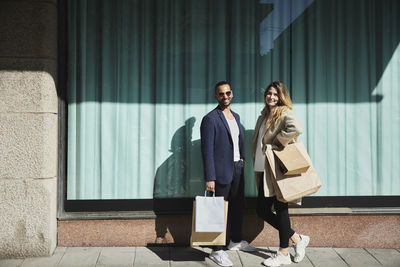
(217,146)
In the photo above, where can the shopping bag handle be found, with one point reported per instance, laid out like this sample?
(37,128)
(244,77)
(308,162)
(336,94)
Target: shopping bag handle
(205,193)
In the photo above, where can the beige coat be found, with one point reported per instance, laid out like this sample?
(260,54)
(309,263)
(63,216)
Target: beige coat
(286,130)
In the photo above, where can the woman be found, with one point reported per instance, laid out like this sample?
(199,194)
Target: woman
(277,126)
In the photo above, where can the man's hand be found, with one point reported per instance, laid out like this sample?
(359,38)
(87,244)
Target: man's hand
(210,186)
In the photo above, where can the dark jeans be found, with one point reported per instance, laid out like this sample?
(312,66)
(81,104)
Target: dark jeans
(234,193)
(280,220)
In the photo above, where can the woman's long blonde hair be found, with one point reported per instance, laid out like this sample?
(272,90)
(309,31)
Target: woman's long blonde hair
(284,103)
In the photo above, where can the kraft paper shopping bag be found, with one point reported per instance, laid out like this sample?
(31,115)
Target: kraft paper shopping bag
(208,239)
(289,188)
(293,159)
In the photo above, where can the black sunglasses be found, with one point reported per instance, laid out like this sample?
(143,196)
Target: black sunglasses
(221,94)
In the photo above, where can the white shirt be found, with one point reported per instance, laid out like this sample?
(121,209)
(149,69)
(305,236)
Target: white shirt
(235,138)
(259,160)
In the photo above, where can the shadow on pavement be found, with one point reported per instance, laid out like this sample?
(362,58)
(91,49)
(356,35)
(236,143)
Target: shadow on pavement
(178,253)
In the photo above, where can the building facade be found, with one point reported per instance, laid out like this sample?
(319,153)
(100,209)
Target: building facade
(101,101)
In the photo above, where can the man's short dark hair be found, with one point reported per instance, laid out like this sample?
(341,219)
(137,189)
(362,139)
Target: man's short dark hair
(218,84)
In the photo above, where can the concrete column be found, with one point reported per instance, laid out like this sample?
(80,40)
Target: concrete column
(28,128)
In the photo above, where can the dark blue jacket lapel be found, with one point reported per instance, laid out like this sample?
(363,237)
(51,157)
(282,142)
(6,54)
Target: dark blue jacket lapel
(223,119)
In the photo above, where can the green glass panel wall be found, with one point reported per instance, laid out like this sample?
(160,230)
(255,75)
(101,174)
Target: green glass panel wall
(141,73)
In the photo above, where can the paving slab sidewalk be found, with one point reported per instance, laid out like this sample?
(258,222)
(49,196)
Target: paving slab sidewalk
(198,256)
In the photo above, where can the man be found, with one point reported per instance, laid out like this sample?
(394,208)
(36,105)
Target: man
(222,147)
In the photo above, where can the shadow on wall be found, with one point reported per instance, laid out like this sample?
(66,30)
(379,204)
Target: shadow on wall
(181,175)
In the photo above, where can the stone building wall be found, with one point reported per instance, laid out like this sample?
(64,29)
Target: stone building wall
(28,128)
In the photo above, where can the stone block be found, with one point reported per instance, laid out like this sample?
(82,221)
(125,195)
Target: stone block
(27,91)
(28,147)
(28,217)
(357,257)
(116,256)
(80,257)
(152,256)
(28,29)
(45,261)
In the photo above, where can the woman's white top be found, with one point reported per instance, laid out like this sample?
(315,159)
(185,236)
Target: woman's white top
(259,161)
(235,138)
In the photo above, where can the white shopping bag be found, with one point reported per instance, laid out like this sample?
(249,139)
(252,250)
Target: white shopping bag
(210,214)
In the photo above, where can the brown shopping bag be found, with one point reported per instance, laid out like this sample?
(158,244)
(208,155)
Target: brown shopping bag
(293,159)
(289,188)
(207,238)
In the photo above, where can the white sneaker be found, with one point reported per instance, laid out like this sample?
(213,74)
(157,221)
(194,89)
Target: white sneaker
(221,258)
(242,245)
(278,259)
(300,248)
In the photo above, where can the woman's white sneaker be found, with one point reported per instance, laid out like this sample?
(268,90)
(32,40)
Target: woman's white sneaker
(221,258)
(278,259)
(300,248)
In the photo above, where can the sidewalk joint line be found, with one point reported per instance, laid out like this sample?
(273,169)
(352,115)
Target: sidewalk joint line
(134,257)
(98,256)
(373,256)
(341,257)
(310,260)
(169,257)
(240,258)
(59,261)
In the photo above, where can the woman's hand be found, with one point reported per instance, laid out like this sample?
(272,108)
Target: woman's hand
(276,143)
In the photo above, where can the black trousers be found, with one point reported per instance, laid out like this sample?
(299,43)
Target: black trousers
(234,193)
(280,220)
